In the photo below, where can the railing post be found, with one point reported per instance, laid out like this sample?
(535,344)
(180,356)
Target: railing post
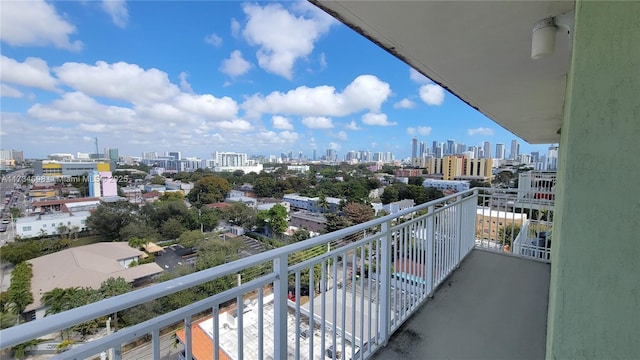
(280,288)
(430,232)
(460,211)
(385,283)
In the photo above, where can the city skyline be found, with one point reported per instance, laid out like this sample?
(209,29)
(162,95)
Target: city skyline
(231,81)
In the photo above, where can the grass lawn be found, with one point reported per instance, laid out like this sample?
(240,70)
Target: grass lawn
(92,239)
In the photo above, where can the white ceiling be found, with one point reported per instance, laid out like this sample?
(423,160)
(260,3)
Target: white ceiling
(479,50)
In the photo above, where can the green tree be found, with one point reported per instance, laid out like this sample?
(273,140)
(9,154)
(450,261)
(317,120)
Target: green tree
(15,212)
(416,180)
(20,287)
(389,195)
(209,189)
(358,213)
(301,235)
(137,243)
(336,222)
(172,196)
(18,252)
(240,214)
(323,204)
(139,230)
(114,287)
(191,238)
(508,233)
(109,219)
(274,218)
(172,228)
(158,180)
(265,187)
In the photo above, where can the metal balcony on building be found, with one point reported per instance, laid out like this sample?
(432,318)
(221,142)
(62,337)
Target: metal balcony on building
(464,276)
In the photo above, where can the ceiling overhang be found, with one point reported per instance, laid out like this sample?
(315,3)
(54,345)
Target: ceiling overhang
(478,50)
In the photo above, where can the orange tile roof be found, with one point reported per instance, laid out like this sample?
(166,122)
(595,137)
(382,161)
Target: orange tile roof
(201,343)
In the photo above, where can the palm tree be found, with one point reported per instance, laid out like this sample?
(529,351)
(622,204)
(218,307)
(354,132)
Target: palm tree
(323,204)
(137,243)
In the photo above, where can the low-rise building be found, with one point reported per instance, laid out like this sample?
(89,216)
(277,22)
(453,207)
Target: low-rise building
(306,220)
(51,224)
(85,266)
(455,185)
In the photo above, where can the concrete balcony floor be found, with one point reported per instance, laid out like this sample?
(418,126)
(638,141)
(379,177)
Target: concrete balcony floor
(493,307)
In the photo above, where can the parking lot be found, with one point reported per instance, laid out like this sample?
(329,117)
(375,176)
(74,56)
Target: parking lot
(171,257)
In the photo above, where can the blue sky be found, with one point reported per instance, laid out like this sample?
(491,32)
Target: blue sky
(205,76)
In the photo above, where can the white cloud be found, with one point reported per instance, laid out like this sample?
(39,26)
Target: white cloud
(118,81)
(8,91)
(281,123)
(288,136)
(317,122)
(35,23)
(334,146)
(213,39)
(341,135)
(235,28)
(184,84)
(377,119)
(432,94)
(33,72)
(208,106)
(233,125)
(78,107)
(420,130)
(414,75)
(353,126)
(271,28)
(404,104)
(117,9)
(366,92)
(480,131)
(235,65)
(323,61)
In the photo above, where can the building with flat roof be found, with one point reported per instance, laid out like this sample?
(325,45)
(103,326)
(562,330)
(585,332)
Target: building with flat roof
(58,169)
(202,334)
(455,185)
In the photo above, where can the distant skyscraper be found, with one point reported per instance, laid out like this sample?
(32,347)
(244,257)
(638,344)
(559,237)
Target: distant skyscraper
(552,158)
(515,150)
(414,148)
(460,148)
(487,149)
(500,151)
(434,147)
(450,148)
(152,155)
(175,154)
(314,154)
(535,156)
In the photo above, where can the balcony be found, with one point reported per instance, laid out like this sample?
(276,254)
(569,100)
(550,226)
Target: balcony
(458,277)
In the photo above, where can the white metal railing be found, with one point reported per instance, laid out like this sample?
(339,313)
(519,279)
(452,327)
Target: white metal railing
(339,295)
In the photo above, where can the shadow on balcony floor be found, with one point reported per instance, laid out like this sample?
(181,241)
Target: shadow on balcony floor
(493,307)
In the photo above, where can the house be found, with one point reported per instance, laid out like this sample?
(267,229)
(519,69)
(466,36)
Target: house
(85,266)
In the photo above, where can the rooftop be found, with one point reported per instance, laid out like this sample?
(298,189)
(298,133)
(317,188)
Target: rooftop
(85,266)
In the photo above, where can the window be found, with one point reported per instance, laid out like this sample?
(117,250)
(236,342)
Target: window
(44,225)
(26,228)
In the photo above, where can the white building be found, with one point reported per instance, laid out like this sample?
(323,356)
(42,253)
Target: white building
(456,185)
(45,225)
(230,161)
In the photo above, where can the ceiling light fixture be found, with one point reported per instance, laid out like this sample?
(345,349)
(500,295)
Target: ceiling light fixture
(543,36)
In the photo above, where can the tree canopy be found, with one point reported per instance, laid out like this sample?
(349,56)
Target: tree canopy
(209,189)
(109,219)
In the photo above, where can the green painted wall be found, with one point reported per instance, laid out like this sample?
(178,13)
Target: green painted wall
(594,300)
